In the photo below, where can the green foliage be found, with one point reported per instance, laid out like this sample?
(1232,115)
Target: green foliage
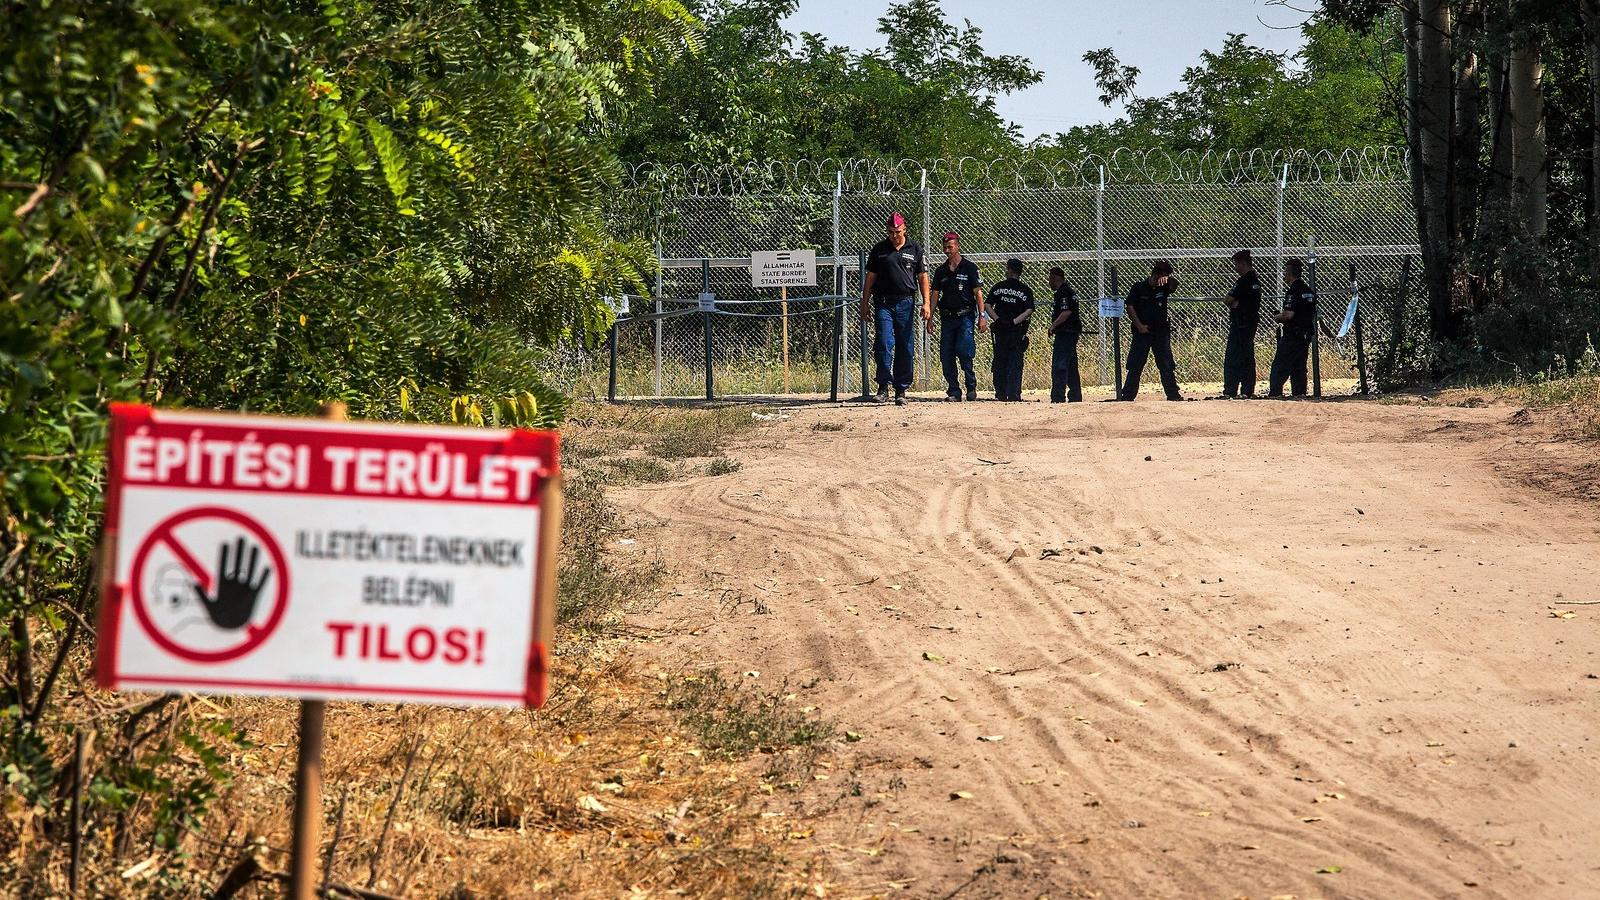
(1337,92)
(759,92)
(264,207)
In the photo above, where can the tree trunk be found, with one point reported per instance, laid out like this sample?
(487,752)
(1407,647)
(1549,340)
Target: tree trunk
(1435,82)
(1497,190)
(1467,147)
(1530,174)
(1591,35)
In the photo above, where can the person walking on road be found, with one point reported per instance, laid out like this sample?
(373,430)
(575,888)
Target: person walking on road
(1012,303)
(961,309)
(1298,318)
(1066,326)
(1152,331)
(1244,319)
(896,280)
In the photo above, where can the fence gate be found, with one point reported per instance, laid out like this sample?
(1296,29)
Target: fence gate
(1103,220)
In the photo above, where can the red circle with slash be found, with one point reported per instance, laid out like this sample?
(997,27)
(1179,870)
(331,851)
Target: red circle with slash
(163,534)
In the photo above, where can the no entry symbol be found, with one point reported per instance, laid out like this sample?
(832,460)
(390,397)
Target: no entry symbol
(209,584)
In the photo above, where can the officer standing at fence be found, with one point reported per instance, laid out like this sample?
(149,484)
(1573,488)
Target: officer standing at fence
(1299,318)
(1152,331)
(961,308)
(1244,319)
(896,279)
(1012,304)
(1066,326)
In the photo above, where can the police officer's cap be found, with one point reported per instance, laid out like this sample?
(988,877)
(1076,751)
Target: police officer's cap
(1014,266)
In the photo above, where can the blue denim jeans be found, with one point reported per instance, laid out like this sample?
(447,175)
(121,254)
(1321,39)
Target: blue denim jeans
(895,341)
(956,342)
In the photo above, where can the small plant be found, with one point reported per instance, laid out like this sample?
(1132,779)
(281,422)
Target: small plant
(722,465)
(827,426)
(734,720)
(638,470)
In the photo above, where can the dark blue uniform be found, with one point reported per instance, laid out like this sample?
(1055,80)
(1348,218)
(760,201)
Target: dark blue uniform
(958,308)
(1150,304)
(894,289)
(1244,320)
(1294,344)
(1008,300)
(1064,381)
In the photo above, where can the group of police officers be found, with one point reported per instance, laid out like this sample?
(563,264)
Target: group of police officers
(898,289)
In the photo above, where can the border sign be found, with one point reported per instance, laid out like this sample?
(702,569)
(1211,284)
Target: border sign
(328,560)
(1111,307)
(783,268)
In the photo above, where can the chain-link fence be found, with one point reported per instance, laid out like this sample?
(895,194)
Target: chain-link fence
(1102,220)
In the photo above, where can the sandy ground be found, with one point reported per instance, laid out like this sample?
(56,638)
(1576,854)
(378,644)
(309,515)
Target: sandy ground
(1164,650)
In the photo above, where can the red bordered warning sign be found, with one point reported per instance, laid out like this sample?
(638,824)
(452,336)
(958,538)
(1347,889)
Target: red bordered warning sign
(323,559)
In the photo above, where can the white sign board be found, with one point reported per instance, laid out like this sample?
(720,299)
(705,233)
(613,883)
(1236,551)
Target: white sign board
(783,268)
(328,560)
(1111,307)
(708,302)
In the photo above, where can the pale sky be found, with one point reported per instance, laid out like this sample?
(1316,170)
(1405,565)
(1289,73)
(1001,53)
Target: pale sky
(1160,37)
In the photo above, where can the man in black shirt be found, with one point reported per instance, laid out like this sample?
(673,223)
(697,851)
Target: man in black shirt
(1299,317)
(896,278)
(1066,326)
(1011,301)
(960,290)
(1244,319)
(1152,331)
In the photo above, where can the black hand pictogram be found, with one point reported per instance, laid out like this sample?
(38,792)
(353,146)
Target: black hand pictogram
(238,587)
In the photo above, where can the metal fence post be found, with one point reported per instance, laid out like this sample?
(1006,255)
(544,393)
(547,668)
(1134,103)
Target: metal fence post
(660,292)
(1316,321)
(927,237)
(838,192)
(838,291)
(1283,183)
(866,393)
(1116,340)
(1361,343)
(838,331)
(1100,266)
(611,382)
(705,317)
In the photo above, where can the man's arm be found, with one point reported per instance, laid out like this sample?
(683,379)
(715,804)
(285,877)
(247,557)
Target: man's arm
(1285,315)
(927,298)
(983,307)
(1060,320)
(1027,309)
(866,296)
(1132,310)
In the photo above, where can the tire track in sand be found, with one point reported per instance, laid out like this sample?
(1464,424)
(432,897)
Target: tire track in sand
(1112,718)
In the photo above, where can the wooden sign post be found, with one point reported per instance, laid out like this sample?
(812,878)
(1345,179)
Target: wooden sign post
(783,303)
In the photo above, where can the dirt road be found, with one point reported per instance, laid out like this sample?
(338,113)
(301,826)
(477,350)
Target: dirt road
(1165,650)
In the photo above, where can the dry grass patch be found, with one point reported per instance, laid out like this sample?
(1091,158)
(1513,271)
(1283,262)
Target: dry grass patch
(600,794)
(1573,403)
(624,784)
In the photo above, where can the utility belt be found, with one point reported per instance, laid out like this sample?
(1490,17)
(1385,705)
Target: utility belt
(879,302)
